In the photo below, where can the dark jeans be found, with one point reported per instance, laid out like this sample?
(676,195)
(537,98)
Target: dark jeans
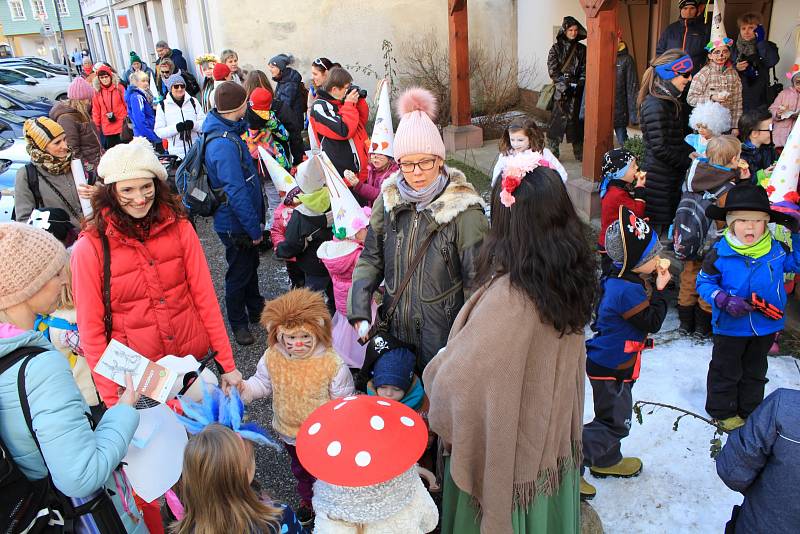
(621,134)
(111,141)
(242,297)
(613,406)
(305,481)
(737,375)
(324,285)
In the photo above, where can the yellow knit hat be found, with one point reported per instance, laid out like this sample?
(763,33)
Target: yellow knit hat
(40,131)
(29,258)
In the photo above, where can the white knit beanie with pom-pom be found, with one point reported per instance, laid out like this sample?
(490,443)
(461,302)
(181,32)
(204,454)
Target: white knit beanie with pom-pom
(136,159)
(417,133)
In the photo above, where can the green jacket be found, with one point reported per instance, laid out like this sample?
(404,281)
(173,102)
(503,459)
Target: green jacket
(443,280)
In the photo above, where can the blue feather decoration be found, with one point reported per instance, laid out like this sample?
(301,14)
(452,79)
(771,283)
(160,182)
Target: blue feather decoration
(222,409)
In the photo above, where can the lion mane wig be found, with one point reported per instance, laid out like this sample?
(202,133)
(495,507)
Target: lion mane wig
(299,309)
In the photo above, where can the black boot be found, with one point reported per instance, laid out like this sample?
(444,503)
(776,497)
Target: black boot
(686,317)
(702,323)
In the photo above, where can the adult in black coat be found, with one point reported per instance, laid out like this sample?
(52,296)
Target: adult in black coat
(663,120)
(689,33)
(288,118)
(753,56)
(566,64)
(626,93)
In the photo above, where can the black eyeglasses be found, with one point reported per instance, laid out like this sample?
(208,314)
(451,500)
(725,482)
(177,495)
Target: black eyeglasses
(424,165)
(179,86)
(767,130)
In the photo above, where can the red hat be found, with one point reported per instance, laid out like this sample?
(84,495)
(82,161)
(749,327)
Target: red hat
(361,441)
(221,71)
(261,101)
(105,68)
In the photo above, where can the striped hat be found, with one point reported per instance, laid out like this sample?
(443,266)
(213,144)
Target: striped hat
(40,131)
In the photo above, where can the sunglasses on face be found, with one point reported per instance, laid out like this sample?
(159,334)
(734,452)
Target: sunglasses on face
(686,75)
(179,86)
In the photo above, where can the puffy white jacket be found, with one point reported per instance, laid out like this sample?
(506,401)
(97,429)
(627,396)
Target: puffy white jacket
(169,114)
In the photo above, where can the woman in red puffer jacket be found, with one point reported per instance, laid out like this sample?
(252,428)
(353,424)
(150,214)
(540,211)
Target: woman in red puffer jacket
(108,105)
(162,297)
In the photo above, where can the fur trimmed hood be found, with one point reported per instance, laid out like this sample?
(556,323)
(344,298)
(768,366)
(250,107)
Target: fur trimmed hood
(114,81)
(456,198)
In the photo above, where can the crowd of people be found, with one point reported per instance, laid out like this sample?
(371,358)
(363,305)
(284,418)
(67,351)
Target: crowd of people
(399,286)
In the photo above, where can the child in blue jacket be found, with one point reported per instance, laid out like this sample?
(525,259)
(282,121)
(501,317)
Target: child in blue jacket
(744,267)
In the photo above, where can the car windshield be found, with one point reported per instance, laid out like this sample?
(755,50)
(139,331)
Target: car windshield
(32,72)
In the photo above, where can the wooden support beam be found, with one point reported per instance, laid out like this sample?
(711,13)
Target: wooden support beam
(601,57)
(458,22)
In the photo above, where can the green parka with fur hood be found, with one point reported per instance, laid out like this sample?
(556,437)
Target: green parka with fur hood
(443,280)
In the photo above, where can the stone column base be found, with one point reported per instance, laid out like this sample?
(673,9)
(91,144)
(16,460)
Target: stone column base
(585,197)
(462,137)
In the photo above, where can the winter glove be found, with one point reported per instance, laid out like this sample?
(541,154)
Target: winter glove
(188,125)
(733,305)
(181,126)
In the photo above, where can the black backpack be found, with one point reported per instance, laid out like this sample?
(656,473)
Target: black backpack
(192,87)
(691,235)
(36,506)
(191,178)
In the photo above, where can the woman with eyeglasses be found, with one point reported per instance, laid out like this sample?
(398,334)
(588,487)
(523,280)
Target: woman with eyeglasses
(179,117)
(786,107)
(718,81)
(664,122)
(429,212)
(108,105)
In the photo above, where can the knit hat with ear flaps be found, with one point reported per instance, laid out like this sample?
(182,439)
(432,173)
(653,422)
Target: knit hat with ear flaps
(630,241)
(417,133)
(40,131)
(29,258)
(136,159)
(230,96)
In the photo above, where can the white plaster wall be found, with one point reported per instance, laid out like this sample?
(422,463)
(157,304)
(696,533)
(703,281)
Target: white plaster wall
(538,22)
(783,32)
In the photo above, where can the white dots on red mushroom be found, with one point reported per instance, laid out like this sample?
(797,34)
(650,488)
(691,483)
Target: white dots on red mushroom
(363,459)
(334,448)
(407,421)
(351,397)
(376,422)
(313,429)
(339,405)
(384,403)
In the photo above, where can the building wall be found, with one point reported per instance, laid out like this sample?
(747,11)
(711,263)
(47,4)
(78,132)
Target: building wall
(36,45)
(783,32)
(29,25)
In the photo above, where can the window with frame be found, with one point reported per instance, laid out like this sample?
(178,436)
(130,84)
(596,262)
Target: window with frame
(17,9)
(39,9)
(63,8)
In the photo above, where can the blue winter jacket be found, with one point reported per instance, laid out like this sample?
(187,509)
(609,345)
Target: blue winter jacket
(230,167)
(142,114)
(726,270)
(760,460)
(79,459)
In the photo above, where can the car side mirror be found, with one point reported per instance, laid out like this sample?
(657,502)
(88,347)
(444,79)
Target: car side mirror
(31,81)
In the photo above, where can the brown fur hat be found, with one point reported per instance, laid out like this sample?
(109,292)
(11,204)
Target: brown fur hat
(299,309)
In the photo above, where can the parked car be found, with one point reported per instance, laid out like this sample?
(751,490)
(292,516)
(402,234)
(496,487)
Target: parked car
(54,88)
(13,121)
(13,155)
(23,104)
(37,62)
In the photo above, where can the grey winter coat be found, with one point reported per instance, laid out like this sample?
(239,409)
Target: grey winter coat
(760,460)
(443,280)
(24,202)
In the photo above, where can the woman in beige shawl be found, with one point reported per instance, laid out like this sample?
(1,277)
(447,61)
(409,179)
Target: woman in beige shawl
(507,391)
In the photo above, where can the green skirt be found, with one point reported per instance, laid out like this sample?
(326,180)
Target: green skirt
(558,513)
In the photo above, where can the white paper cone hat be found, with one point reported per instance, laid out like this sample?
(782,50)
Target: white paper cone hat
(718,35)
(312,138)
(382,140)
(310,176)
(784,178)
(348,216)
(280,177)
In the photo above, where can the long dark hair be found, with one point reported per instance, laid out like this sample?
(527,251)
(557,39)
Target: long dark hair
(105,200)
(543,245)
(256,79)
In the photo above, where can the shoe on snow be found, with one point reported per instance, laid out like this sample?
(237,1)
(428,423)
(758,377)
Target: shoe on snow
(587,490)
(305,514)
(731,423)
(625,468)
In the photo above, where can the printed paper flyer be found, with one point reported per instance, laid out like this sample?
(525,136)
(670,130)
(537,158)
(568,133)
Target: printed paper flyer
(150,379)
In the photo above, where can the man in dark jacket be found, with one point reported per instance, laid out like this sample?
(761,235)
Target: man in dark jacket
(164,51)
(239,221)
(689,33)
(566,65)
(761,460)
(753,56)
(626,93)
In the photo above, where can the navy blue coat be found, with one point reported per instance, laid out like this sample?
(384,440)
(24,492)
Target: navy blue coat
(287,90)
(231,168)
(761,460)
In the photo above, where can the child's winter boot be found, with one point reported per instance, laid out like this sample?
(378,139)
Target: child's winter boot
(702,323)
(731,423)
(625,468)
(686,316)
(587,490)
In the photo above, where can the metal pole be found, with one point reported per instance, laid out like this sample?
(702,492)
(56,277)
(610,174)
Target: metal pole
(63,40)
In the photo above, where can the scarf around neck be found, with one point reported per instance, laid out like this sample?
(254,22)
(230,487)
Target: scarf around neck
(50,163)
(422,198)
(756,250)
(746,48)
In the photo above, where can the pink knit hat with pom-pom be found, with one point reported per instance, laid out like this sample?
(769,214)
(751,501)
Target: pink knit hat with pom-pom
(417,133)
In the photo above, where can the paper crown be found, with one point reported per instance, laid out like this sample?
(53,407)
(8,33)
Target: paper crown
(361,441)
(348,216)
(382,140)
(280,177)
(783,181)
(718,35)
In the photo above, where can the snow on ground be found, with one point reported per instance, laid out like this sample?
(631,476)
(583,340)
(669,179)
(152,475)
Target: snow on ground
(678,489)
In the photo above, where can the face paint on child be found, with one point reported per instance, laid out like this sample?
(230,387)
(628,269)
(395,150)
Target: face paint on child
(391,392)
(298,345)
(519,141)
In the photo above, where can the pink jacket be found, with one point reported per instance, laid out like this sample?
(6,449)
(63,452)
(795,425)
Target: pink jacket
(371,187)
(280,218)
(781,129)
(162,297)
(340,258)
